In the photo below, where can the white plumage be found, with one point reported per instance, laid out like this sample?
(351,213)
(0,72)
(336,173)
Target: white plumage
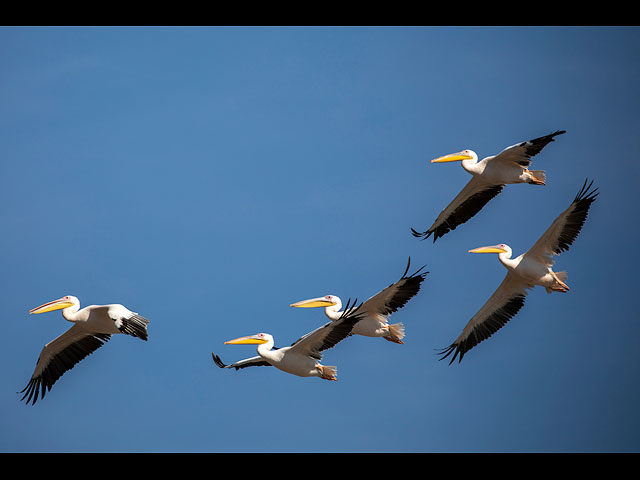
(302,357)
(375,312)
(92,327)
(532,268)
(489,176)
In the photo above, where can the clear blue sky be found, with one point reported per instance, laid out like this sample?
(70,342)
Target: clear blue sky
(209,177)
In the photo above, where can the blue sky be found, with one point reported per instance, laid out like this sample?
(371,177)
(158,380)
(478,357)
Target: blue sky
(209,177)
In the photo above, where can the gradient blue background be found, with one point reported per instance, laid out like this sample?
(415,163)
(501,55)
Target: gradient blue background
(209,177)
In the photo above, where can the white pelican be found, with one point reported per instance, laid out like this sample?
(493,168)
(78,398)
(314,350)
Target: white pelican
(375,312)
(301,358)
(524,272)
(489,176)
(92,327)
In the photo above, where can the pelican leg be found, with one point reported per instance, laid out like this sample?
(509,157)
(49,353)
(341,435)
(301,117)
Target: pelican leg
(328,373)
(394,340)
(537,177)
(560,286)
(395,333)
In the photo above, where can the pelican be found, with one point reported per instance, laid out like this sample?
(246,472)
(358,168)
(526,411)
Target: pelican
(524,272)
(489,176)
(375,312)
(302,357)
(92,327)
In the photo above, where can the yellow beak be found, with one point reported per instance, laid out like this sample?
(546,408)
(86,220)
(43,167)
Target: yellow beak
(313,302)
(249,340)
(453,157)
(50,306)
(490,249)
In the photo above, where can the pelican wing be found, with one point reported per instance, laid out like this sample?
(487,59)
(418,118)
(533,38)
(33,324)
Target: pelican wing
(395,296)
(505,302)
(564,229)
(128,322)
(60,355)
(521,153)
(330,334)
(247,362)
(471,199)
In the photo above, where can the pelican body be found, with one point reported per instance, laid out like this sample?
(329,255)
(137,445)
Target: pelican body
(489,177)
(302,358)
(528,268)
(375,312)
(532,268)
(92,327)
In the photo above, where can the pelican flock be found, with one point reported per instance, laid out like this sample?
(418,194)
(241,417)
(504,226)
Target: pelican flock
(302,357)
(93,325)
(375,312)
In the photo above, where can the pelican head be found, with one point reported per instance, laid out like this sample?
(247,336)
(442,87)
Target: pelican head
(59,304)
(456,157)
(257,339)
(500,248)
(326,301)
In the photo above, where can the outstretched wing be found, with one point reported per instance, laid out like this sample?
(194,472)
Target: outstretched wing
(59,356)
(521,153)
(247,362)
(505,302)
(564,229)
(395,296)
(471,199)
(128,322)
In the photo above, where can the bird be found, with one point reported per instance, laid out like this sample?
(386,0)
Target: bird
(376,310)
(489,177)
(92,327)
(524,272)
(302,357)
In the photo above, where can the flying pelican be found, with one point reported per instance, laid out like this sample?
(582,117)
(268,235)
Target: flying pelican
(375,312)
(489,176)
(302,357)
(92,327)
(524,272)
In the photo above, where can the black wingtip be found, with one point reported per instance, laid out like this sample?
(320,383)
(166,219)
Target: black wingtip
(217,360)
(415,233)
(421,235)
(351,309)
(414,274)
(32,390)
(453,348)
(406,269)
(586,193)
(549,138)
